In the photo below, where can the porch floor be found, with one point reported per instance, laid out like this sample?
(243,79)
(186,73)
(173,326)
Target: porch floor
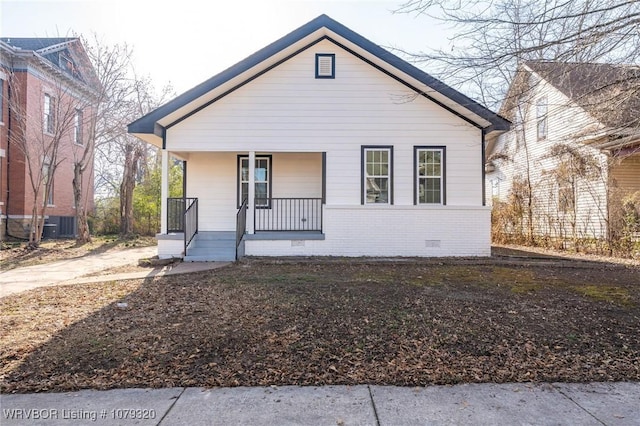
(285,235)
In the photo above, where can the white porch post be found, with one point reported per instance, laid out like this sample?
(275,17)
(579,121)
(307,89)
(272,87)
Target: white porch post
(251,193)
(164,191)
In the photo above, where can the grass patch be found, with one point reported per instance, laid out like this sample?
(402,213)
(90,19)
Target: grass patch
(605,293)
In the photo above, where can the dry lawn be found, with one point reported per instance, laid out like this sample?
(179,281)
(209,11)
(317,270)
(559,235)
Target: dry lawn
(318,322)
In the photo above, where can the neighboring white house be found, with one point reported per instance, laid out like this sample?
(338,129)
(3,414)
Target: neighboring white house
(575,139)
(339,148)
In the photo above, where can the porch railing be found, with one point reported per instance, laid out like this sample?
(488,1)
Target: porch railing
(241,224)
(190,222)
(288,214)
(175,213)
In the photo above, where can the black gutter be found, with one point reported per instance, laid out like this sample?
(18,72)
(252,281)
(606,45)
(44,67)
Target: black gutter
(484,177)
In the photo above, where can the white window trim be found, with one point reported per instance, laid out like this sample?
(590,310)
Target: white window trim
(3,77)
(540,118)
(241,159)
(45,123)
(76,124)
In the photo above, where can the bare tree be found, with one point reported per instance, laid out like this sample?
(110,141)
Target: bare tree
(44,138)
(136,152)
(112,65)
(493,36)
(120,158)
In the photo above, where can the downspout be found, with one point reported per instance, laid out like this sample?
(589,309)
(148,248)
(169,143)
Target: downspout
(484,184)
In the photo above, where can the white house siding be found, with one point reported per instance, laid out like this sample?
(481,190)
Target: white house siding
(213,179)
(287,110)
(566,122)
(381,230)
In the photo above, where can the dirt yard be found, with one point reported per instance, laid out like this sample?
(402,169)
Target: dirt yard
(318,322)
(16,255)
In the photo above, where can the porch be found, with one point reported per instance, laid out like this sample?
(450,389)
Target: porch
(227,195)
(273,219)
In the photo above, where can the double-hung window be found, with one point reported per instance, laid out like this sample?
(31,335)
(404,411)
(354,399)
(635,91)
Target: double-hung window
(377,175)
(541,115)
(429,172)
(49,108)
(1,100)
(77,127)
(47,181)
(262,180)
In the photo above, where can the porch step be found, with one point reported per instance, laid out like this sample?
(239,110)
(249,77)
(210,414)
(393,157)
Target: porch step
(212,247)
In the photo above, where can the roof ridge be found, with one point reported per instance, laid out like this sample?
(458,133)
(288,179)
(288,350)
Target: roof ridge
(147,123)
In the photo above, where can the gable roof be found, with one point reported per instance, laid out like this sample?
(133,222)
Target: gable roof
(35,43)
(322,27)
(66,54)
(609,92)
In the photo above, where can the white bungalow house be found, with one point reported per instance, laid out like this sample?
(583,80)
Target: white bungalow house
(575,141)
(323,144)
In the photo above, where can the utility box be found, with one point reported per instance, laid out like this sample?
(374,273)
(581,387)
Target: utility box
(50,231)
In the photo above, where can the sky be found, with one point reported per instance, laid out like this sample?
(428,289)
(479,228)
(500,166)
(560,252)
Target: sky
(184,42)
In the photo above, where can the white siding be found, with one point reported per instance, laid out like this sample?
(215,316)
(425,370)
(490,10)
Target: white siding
(566,124)
(288,109)
(291,115)
(213,179)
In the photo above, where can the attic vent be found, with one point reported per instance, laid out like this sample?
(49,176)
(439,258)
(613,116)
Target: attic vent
(325,65)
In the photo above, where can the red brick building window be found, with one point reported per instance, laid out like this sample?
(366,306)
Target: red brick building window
(49,118)
(77,127)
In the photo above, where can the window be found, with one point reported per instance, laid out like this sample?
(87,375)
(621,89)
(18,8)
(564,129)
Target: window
(325,65)
(262,180)
(46,169)
(541,115)
(49,108)
(2,154)
(566,195)
(1,100)
(77,127)
(429,172)
(377,175)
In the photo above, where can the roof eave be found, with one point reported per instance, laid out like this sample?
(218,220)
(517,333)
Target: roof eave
(489,120)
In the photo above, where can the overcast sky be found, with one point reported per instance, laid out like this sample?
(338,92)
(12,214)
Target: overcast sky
(184,42)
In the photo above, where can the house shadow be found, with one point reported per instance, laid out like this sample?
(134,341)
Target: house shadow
(145,338)
(523,253)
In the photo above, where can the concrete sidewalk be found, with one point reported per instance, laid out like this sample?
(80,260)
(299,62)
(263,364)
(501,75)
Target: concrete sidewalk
(75,271)
(469,404)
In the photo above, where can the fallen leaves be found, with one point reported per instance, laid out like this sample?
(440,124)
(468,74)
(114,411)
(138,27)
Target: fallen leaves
(317,323)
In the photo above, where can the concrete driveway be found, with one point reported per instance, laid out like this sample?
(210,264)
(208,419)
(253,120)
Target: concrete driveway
(75,271)
(55,273)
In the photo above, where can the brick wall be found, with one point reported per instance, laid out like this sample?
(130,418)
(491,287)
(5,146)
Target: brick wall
(391,231)
(28,92)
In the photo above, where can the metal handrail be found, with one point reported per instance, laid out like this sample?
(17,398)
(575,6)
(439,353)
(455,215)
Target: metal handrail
(190,223)
(241,224)
(288,214)
(175,213)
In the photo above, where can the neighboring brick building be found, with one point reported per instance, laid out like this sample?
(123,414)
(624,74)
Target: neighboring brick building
(48,93)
